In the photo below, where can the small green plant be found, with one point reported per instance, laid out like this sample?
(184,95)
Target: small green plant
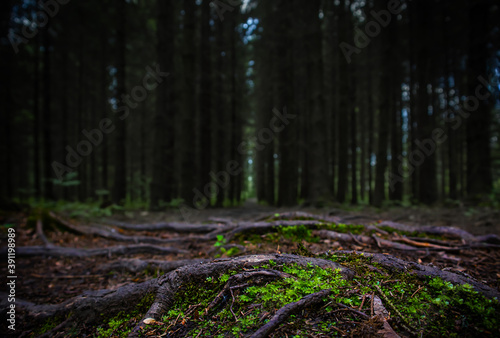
(220,241)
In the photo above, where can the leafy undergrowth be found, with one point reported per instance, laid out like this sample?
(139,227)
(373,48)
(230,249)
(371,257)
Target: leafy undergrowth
(430,307)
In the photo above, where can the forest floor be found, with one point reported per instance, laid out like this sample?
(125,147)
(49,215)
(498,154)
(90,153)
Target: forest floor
(48,276)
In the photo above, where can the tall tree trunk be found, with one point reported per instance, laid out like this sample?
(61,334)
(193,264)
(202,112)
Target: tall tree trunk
(82,173)
(479,177)
(163,159)
(104,110)
(396,190)
(413,116)
(288,175)
(318,169)
(344,109)
(46,113)
(236,121)
(188,153)
(6,104)
(387,61)
(120,179)
(36,121)
(65,108)
(205,145)
(330,62)
(427,168)
(371,128)
(354,143)
(221,111)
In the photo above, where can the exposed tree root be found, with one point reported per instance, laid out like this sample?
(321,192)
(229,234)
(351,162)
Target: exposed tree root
(56,251)
(300,215)
(88,307)
(283,313)
(171,282)
(172,226)
(449,232)
(137,265)
(240,280)
(229,230)
(395,264)
(41,235)
(85,308)
(108,233)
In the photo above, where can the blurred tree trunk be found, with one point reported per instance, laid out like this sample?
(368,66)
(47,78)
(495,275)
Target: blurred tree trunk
(395,190)
(318,170)
(344,109)
(205,145)
(236,115)
(36,122)
(387,61)
(425,59)
(163,156)
(104,109)
(221,127)
(354,135)
(6,187)
(120,179)
(479,179)
(288,175)
(81,169)
(188,153)
(46,116)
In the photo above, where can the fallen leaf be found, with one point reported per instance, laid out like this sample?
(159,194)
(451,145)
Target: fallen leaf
(149,321)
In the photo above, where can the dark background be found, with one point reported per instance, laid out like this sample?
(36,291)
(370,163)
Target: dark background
(388,101)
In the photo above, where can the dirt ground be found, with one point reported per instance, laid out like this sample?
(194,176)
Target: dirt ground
(53,280)
(476,220)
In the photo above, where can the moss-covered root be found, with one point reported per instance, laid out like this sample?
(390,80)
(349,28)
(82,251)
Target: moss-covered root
(283,313)
(170,283)
(83,310)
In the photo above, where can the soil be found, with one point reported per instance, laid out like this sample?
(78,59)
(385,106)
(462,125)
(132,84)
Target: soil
(52,280)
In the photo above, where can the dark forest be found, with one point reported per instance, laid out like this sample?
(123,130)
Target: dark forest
(317,101)
(201,129)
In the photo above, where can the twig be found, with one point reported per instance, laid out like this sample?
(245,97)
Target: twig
(419,288)
(362,314)
(362,302)
(371,306)
(232,303)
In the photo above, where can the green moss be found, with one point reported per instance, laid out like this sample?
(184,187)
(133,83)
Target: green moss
(412,233)
(49,324)
(344,228)
(434,306)
(429,306)
(116,327)
(122,323)
(271,296)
